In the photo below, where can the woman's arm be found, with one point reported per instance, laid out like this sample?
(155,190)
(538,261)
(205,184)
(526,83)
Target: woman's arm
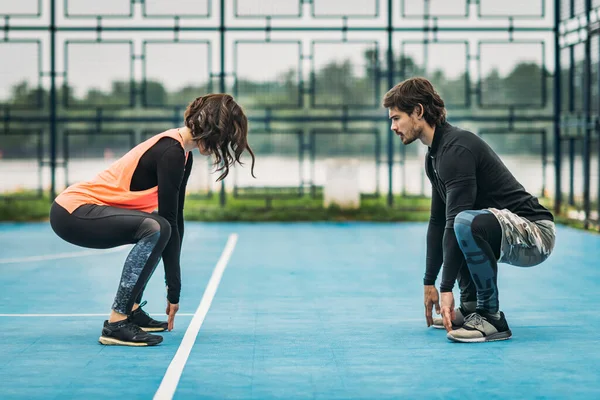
(182,190)
(170,172)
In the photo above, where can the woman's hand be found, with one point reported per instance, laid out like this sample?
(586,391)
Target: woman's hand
(171,311)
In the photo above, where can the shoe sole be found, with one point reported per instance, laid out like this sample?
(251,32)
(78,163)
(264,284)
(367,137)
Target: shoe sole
(115,342)
(491,338)
(454,327)
(153,329)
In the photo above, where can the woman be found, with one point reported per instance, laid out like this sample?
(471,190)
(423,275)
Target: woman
(116,208)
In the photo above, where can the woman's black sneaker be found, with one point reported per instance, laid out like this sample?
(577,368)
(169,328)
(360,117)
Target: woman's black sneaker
(126,333)
(147,323)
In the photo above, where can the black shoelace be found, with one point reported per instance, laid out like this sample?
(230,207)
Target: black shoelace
(141,310)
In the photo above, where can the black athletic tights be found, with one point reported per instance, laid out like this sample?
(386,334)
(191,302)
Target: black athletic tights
(102,227)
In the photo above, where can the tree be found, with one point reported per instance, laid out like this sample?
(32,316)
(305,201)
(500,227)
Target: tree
(492,89)
(155,93)
(524,84)
(23,95)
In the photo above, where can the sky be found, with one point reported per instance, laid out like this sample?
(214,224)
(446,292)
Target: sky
(95,65)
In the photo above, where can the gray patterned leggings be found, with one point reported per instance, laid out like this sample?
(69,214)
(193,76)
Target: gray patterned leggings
(102,227)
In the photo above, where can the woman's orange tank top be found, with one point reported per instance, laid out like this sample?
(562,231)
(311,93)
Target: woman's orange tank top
(111,186)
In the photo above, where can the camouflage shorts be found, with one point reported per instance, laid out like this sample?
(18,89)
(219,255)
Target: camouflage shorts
(524,243)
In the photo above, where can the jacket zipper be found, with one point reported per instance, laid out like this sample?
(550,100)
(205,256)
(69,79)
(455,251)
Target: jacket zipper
(433,166)
(437,177)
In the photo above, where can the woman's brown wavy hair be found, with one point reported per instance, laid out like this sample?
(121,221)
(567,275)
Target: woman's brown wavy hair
(220,127)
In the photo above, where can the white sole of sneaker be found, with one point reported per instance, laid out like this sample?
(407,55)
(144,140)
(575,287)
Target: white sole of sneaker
(153,329)
(114,342)
(442,327)
(491,338)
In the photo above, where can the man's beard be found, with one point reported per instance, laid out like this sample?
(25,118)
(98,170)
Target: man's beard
(415,133)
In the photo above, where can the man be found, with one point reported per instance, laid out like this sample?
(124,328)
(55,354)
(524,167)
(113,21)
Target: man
(480,215)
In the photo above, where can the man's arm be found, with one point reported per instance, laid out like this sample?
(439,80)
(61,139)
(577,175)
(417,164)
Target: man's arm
(458,172)
(435,234)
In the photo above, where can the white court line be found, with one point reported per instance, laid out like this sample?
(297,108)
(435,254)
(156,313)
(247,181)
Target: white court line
(75,315)
(61,255)
(167,387)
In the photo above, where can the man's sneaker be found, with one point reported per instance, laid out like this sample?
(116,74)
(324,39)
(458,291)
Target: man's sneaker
(144,321)
(125,333)
(480,327)
(457,323)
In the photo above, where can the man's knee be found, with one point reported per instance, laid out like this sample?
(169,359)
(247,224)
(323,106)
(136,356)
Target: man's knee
(463,224)
(475,222)
(473,228)
(482,223)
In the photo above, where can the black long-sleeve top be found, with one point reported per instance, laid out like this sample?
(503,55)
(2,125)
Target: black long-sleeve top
(164,165)
(466,174)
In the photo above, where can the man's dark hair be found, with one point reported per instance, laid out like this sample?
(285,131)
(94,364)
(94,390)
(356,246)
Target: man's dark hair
(408,94)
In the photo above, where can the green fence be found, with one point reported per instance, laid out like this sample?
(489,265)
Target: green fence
(81,82)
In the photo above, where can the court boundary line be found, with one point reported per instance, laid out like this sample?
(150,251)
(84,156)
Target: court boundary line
(170,381)
(74,315)
(58,256)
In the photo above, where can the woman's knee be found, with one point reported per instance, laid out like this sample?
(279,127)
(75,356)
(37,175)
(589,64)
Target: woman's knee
(153,225)
(165,227)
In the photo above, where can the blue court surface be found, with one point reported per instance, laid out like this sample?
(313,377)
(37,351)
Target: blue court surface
(301,311)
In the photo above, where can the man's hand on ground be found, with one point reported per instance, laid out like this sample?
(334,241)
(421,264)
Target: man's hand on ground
(431,298)
(448,311)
